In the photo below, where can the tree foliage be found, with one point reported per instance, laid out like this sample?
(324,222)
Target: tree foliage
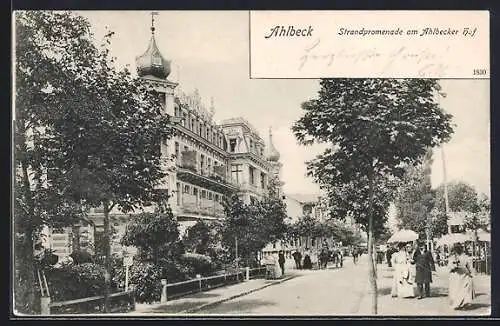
(253,226)
(88,134)
(202,238)
(462,197)
(415,198)
(374,127)
(154,234)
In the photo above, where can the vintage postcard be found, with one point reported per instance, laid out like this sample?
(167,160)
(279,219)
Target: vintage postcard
(251,163)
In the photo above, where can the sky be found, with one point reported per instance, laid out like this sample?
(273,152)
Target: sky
(209,51)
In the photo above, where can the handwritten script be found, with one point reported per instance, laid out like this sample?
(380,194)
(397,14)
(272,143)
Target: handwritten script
(428,63)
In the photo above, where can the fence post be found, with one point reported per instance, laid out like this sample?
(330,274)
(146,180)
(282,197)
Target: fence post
(247,273)
(198,276)
(163,298)
(45,305)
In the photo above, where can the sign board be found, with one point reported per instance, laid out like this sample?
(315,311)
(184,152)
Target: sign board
(128,261)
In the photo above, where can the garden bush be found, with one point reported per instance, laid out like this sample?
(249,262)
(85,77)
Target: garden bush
(75,281)
(81,257)
(199,264)
(146,278)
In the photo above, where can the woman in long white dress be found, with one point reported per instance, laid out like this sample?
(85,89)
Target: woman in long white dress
(402,286)
(461,285)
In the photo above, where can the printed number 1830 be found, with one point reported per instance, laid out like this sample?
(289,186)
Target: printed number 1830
(479,72)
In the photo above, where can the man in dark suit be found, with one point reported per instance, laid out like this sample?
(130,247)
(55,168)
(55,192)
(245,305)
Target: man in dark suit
(281,262)
(424,266)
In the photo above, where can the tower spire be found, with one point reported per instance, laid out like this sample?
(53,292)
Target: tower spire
(273,154)
(153,14)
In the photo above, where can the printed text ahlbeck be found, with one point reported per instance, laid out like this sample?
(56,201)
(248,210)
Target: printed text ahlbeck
(290,31)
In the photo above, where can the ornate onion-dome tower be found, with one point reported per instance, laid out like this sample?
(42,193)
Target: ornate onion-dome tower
(273,157)
(154,69)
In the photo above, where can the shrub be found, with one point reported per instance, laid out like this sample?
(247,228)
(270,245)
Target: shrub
(147,280)
(76,281)
(199,264)
(81,257)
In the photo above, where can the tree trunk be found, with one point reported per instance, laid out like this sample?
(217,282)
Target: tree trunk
(27,273)
(107,257)
(373,277)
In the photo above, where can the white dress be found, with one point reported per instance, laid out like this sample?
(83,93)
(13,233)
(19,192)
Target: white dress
(402,286)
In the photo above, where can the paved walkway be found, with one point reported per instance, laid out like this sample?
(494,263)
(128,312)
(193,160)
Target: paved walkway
(436,305)
(204,300)
(335,291)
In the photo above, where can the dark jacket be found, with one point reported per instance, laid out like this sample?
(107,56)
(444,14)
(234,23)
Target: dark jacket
(281,259)
(424,265)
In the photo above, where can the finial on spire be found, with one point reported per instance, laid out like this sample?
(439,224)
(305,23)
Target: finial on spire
(153,14)
(273,155)
(212,107)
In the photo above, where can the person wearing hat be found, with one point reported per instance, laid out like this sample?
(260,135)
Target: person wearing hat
(424,266)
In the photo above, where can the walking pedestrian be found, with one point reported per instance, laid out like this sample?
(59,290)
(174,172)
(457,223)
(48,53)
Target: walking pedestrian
(401,280)
(297,257)
(461,286)
(307,260)
(424,266)
(355,255)
(281,262)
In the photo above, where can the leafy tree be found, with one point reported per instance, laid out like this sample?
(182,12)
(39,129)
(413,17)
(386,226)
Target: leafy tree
(374,127)
(462,197)
(102,128)
(202,238)
(415,198)
(51,51)
(252,227)
(154,234)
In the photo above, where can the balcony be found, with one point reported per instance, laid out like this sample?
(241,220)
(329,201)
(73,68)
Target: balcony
(189,171)
(204,208)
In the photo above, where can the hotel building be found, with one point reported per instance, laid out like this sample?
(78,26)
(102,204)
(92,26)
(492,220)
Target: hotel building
(204,160)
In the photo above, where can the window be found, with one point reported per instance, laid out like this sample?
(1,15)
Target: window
(251,170)
(251,145)
(262,180)
(186,189)
(210,196)
(186,148)
(178,193)
(237,172)
(195,191)
(232,145)
(177,149)
(203,194)
(209,165)
(216,197)
(202,163)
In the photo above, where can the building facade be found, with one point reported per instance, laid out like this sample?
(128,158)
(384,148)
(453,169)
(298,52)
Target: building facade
(204,160)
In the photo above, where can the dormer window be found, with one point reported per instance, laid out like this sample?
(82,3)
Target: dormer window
(232,145)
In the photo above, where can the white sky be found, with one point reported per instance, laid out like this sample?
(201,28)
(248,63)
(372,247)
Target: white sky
(211,50)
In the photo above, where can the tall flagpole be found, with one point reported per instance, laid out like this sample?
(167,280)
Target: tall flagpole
(446,202)
(443,160)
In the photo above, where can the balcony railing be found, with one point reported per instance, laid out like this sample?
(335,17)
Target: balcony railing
(197,173)
(213,211)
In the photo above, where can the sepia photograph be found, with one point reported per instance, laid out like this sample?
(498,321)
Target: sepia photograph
(154,174)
